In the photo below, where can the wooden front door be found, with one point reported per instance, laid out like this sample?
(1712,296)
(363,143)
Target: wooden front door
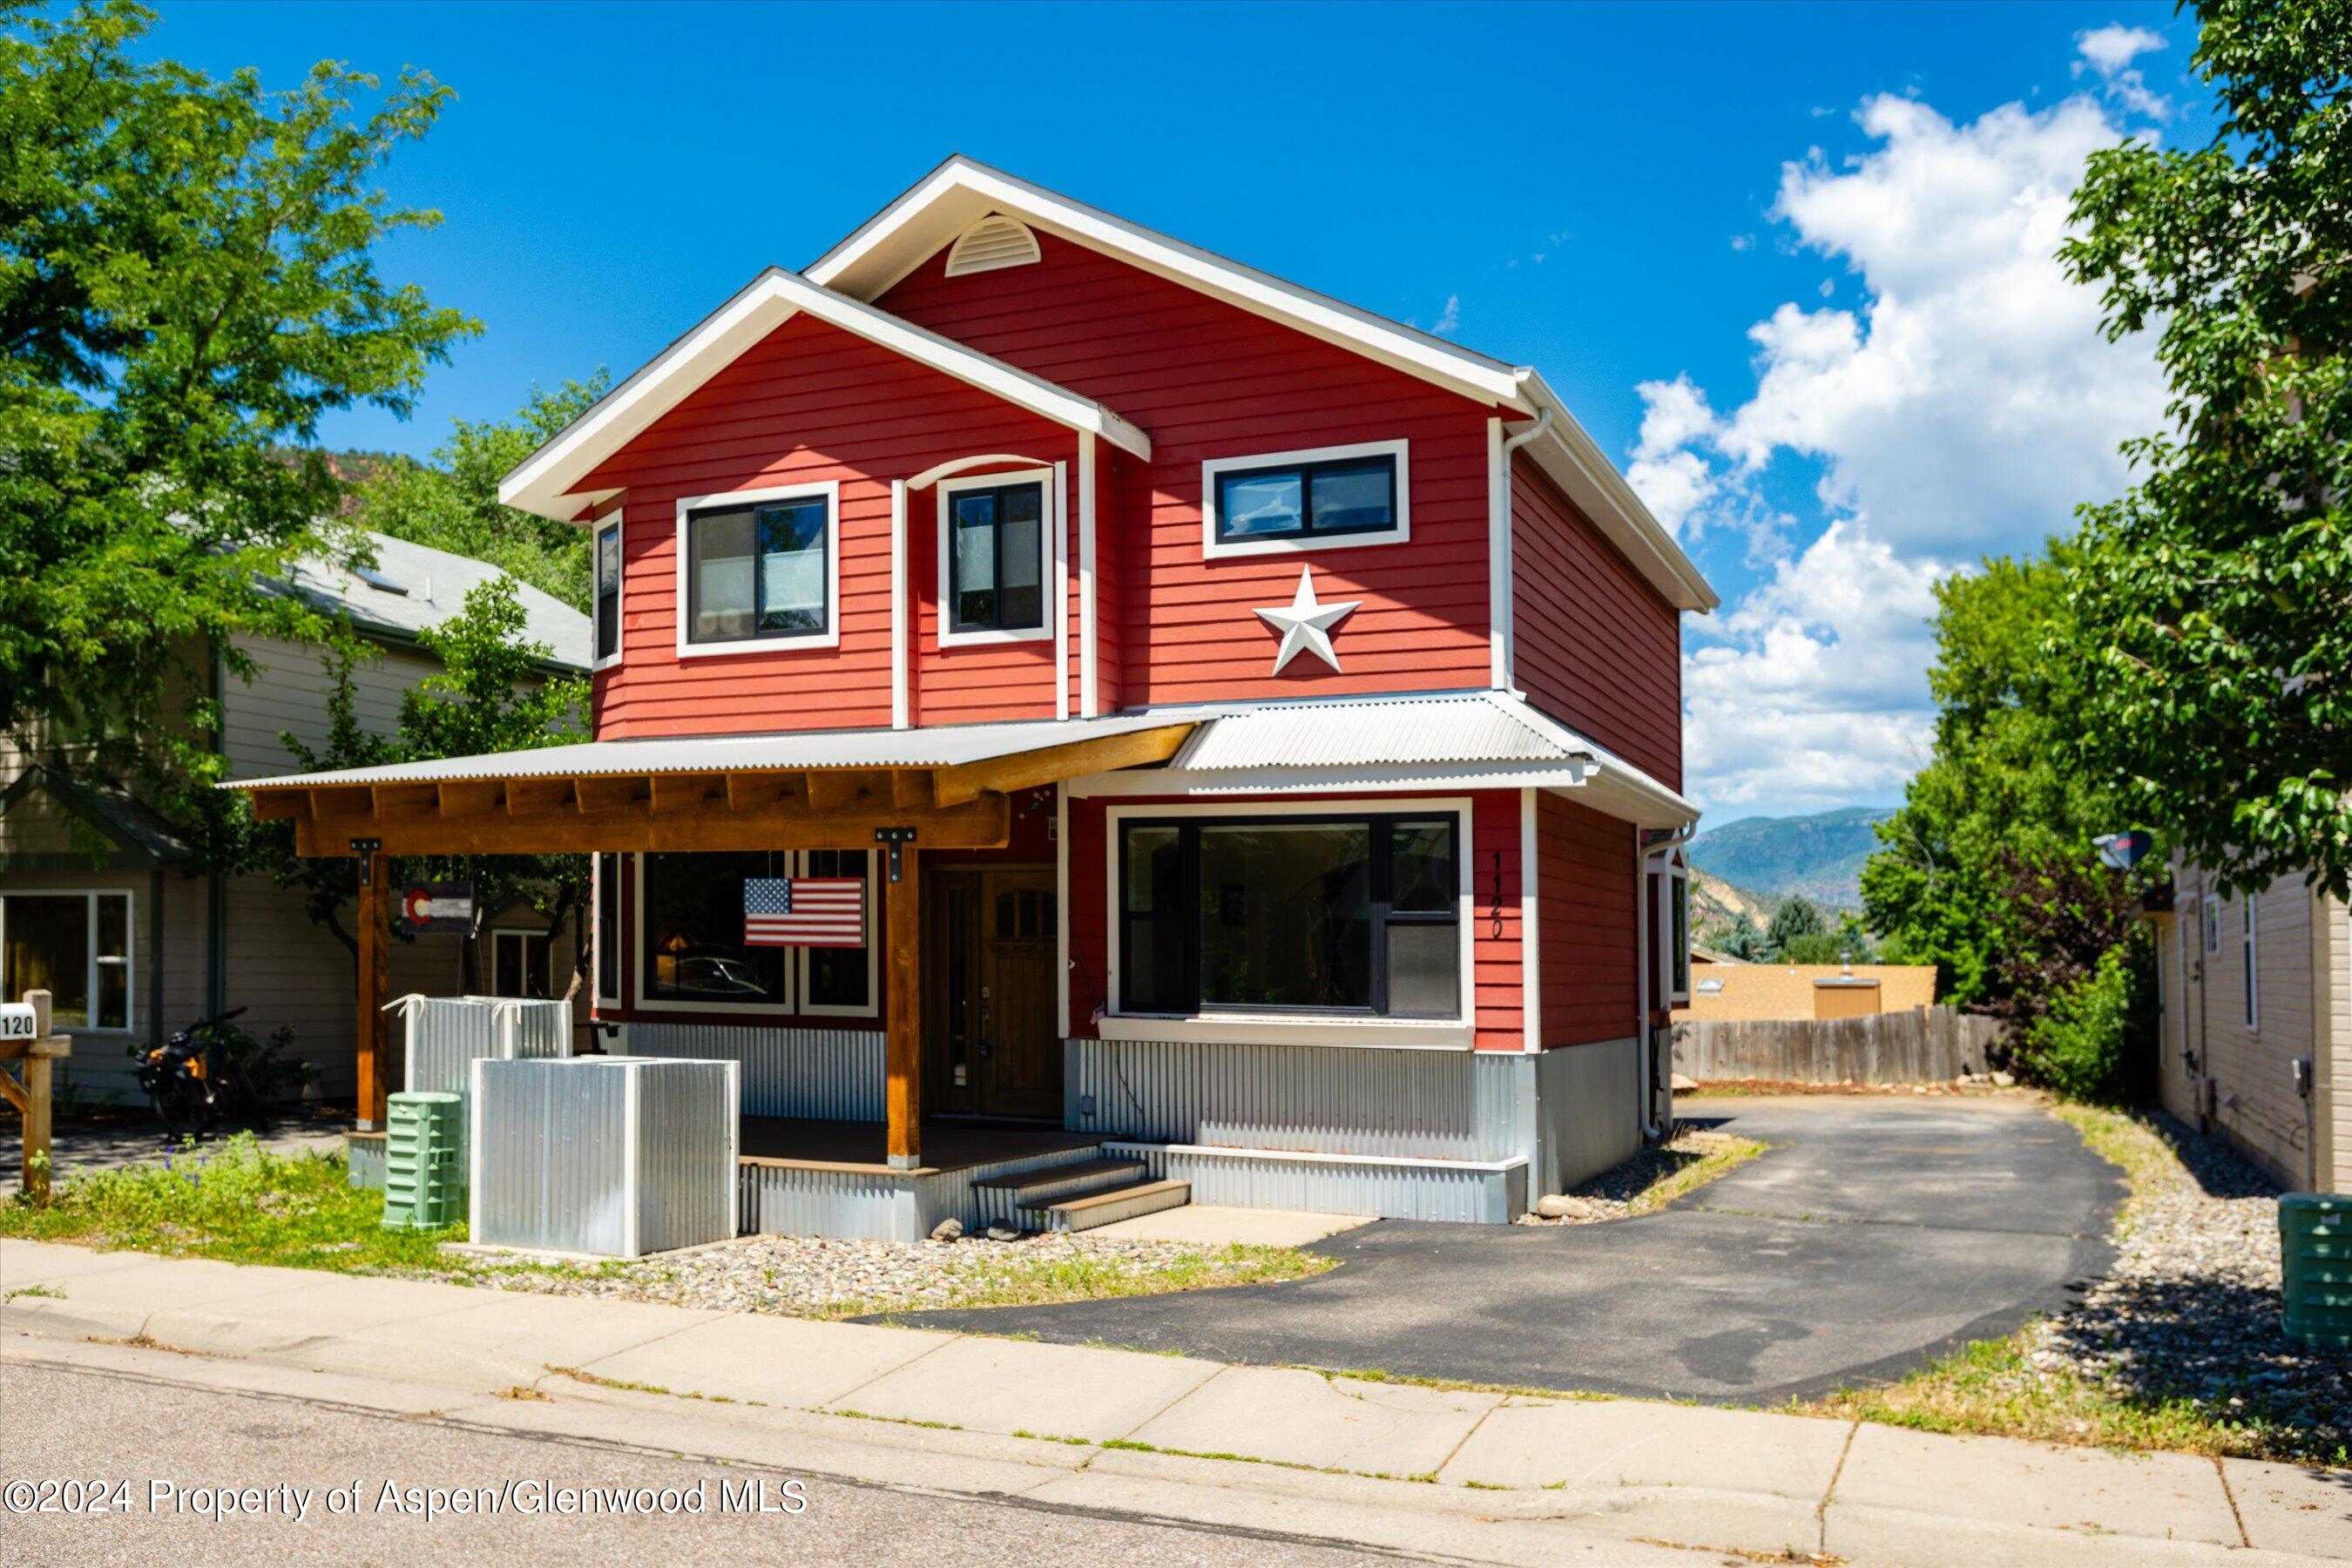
(993,1051)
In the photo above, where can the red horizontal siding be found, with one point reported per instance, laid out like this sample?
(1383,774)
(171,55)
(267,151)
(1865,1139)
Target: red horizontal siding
(1584,923)
(811,403)
(1205,380)
(1595,644)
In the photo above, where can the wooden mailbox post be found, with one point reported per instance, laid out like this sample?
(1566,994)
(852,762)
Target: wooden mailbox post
(30,1094)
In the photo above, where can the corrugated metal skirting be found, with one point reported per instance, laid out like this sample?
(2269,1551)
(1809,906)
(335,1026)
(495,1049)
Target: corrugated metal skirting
(1483,1193)
(781,1200)
(832,1075)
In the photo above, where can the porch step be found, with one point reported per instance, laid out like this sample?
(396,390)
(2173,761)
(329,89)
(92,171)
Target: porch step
(1108,1208)
(1076,1179)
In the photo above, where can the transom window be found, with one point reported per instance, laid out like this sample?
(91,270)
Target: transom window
(1310,914)
(760,571)
(1330,497)
(995,554)
(75,947)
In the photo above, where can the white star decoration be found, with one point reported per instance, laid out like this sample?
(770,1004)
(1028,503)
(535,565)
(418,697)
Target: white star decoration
(1305,625)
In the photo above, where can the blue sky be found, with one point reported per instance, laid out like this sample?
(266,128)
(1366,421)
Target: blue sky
(1689,198)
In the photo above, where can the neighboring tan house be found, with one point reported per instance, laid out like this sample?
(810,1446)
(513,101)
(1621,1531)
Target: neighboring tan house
(2251,987)
(133,944)
(1729,989)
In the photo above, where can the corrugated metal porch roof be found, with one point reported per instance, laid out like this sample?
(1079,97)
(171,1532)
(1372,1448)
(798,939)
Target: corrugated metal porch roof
(1370,731)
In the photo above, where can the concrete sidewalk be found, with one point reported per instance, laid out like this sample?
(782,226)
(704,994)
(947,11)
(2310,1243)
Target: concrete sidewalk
(1416,1470)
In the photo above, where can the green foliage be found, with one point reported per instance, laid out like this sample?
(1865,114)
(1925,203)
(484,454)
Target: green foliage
(187,285)
(452,503)
(489,695)
(2085,1045)
(273,1076)
(1735,938)
(2210,600)
(1998,782)
(1796,920)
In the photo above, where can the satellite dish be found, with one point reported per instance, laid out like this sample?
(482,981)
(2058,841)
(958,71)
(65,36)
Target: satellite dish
(2122,851)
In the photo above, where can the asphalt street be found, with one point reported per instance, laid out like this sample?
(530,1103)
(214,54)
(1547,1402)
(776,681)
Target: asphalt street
(1874,1234)
(99,1430)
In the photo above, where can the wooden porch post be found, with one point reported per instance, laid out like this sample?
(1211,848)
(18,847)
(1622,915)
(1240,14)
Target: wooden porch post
(374,980)
(902,956)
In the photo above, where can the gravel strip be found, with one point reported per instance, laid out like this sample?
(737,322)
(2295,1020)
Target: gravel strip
(1611,1194)
(2190,1309)
(811,1276)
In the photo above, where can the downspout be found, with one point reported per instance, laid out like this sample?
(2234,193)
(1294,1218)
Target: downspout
(1646,1083)
(1506,588)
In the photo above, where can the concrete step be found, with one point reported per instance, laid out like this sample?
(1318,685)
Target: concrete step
(1108,1207)
(1008,1199)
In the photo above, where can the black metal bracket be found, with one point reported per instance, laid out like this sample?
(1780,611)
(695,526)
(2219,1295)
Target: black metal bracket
(365,849)
(897,838)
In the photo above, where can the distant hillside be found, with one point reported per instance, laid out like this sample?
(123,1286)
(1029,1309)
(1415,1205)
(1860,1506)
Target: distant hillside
(1820,856)
(1714,902)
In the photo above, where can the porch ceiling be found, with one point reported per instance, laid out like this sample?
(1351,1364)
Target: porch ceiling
(825,790)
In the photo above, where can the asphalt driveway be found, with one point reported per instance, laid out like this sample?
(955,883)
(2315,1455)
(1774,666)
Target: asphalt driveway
(1874,1234)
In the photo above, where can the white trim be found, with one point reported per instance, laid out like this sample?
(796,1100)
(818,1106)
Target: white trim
(543,483)
(1089,701)
(2250,953)
(1215,549)
(1214,782)
(91,960)
(612,523)
(1498,558)
(939,471)
(1049,512)
(1676,869)
(1062,590)
(1316,1156)
(640,1001)
(829,638)
(1530,966)
(526,932)
(873,1008)
(1061,913)
(1224,1028)
(902,635)
(597,978)
(1576,463)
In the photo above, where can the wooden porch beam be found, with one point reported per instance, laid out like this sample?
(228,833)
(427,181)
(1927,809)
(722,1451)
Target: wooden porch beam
(529,798)
(278,804)
(674,792)
(911,788)
(753,791)
(470,797)
(592,794)
(980,824)
(837,789)
(902,1097)
(395,799)
(1050,765)
(341,800)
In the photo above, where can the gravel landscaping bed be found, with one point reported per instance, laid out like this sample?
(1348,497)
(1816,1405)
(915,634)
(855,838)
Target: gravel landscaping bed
(809,1277)
(2190,1310)
(1651,1179)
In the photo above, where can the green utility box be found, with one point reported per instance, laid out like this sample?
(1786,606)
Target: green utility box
(423,1169)
(2316,1262)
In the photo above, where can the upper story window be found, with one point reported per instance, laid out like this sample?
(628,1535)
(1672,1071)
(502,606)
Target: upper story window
(759,568)
(608,592)
(994,555)
(1326,497)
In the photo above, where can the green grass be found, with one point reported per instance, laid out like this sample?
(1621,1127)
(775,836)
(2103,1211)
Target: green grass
(1009,1279)
(1726,1154)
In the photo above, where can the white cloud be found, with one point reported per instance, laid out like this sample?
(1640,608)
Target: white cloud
(1964,407)
(2109,51)
(1449,319)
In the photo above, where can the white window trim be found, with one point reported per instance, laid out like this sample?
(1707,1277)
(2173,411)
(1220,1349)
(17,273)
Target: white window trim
(1289,1029)
(526,932)
(1049,564)
(2249,953)
(646,1003)
(829,638)
(1675,870)
(603,526)
(873,1008)
(597,914)
(1216,549)
(129,1025)
(2211,923)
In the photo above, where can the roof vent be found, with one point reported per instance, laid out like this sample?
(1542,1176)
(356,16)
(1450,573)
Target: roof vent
(994,241)
(378,580)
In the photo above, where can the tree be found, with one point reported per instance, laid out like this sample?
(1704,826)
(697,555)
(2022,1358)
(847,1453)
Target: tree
(490,695)
(453,502)
(187,284)
(2214,599)
(1795,918)
(1735,938)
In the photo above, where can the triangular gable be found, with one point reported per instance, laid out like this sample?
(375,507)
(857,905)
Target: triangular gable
(552,482)
(947,202)
(142,837)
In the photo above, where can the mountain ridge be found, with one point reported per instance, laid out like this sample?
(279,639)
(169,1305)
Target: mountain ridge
(1818,856)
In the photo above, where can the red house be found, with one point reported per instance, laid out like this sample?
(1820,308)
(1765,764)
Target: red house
(1273,713)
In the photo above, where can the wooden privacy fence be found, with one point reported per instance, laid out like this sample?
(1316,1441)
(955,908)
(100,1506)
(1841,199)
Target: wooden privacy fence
(1924,1044)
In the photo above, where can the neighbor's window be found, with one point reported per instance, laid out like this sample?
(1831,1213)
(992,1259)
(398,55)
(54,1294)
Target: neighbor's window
(1320,914)
(690,933)
(760,571)
(996,552)
(521,964)
(2253,1009)
(607,920)
(77,947)
(1307,500)
(2213,925)
(608,591)
(840,979)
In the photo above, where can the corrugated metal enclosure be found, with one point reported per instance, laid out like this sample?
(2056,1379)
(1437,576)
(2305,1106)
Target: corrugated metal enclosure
(444,1036)
(832,1075)
(617,1156)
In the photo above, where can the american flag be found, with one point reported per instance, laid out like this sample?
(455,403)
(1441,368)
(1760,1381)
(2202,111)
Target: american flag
(803,912)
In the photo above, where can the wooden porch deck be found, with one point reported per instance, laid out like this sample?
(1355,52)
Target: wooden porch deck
(793,1142)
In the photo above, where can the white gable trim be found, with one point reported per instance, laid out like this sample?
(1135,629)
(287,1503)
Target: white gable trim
(548,483)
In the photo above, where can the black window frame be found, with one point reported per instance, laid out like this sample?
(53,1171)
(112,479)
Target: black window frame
(1380,830)
(996,493)
(608,648)
(757,511)
(1307,472)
